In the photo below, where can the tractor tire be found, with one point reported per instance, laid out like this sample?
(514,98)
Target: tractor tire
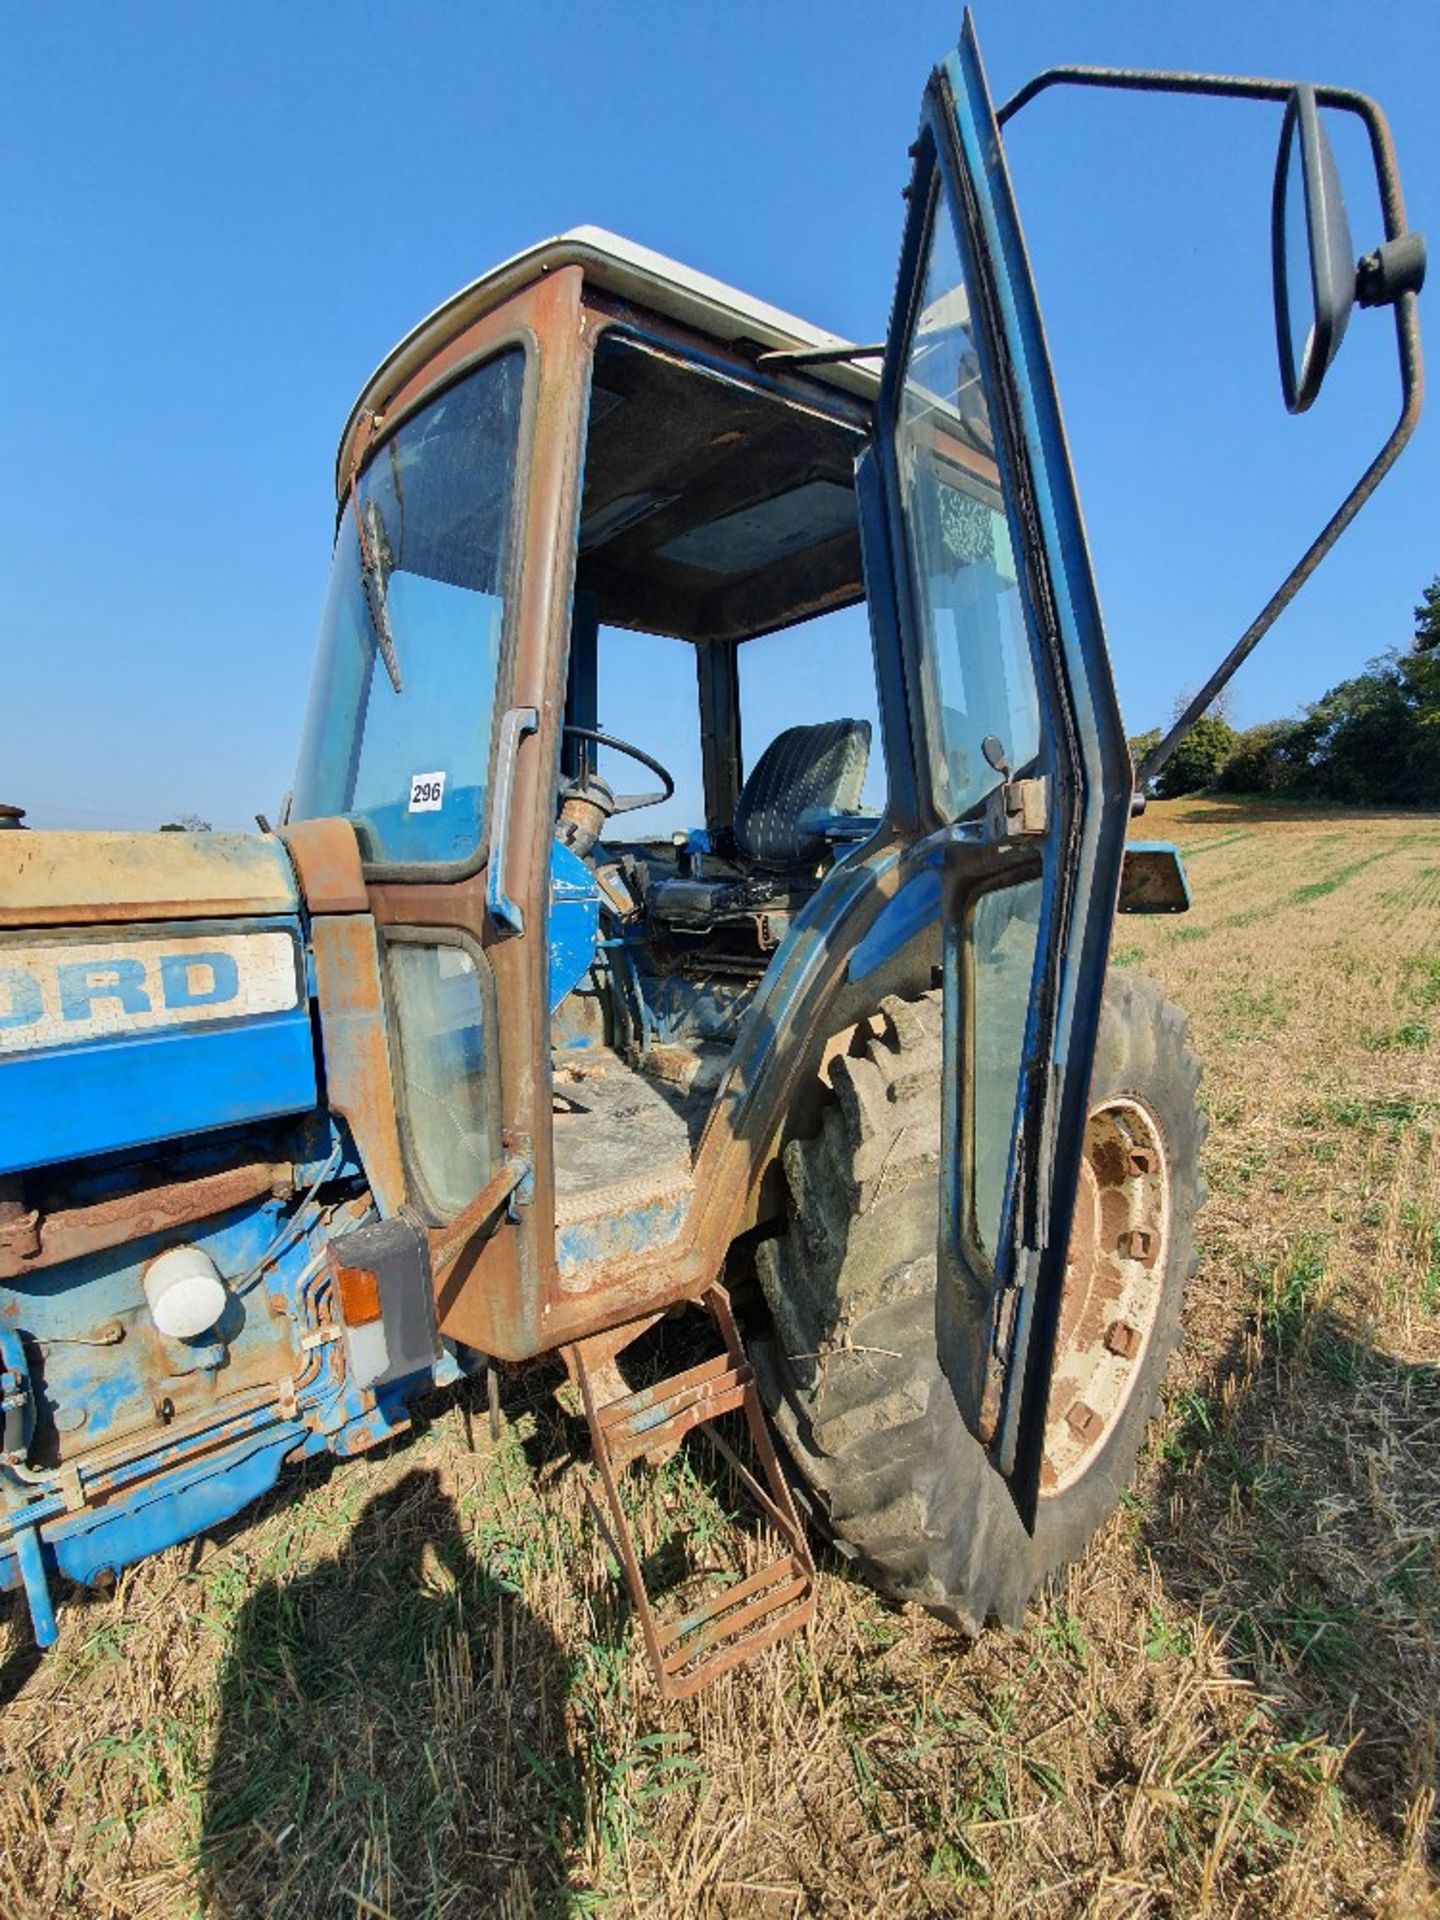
(848,1364)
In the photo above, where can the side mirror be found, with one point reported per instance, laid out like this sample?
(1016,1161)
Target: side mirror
(1314,263)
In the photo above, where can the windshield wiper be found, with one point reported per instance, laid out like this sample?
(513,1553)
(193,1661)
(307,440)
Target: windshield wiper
(375,563)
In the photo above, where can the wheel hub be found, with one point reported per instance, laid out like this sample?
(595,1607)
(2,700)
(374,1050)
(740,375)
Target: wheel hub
(1114,1282)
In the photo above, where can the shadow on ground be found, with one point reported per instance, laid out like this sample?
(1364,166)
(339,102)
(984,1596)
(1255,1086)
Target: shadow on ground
(1299,1509)
(391,1729)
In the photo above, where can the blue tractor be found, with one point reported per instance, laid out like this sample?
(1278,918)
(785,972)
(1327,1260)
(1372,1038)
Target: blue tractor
(457,1067)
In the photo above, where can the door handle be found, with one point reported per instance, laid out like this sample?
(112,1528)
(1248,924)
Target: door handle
(515,722)
(512,1185)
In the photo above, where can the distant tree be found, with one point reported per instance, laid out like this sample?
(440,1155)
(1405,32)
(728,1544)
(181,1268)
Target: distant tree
(1199,758)
(1427,619)
(187,823)
(1263,759)
(1141,743)
(1222,707)
(1375,740)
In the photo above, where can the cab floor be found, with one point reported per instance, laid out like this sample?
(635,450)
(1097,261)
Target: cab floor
(616,1128)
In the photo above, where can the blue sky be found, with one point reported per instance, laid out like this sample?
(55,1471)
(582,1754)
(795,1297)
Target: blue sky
(217,220)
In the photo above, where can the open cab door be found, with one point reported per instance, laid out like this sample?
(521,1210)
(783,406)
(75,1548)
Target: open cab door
(977,565)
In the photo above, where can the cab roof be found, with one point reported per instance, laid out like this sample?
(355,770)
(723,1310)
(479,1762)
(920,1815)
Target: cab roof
(633,272)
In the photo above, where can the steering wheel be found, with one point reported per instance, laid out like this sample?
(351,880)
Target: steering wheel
(619,802)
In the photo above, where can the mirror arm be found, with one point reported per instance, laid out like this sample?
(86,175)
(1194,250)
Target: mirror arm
(1407,331)
(1397,269)
(1234,87)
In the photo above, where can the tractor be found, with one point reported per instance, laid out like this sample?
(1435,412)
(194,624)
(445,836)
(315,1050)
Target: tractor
(458,1066)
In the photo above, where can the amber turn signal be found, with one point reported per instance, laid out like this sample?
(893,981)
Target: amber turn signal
(359,1291)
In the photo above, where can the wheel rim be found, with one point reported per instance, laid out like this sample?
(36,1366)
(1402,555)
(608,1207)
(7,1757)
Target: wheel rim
(1114,1284)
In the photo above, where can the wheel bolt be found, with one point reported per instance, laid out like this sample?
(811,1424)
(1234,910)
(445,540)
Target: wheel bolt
(1141,1161)
(1123,1339)
(1139,1243)
(1084,1421)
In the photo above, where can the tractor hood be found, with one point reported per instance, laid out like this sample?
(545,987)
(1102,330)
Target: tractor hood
(66,879)
(152,986)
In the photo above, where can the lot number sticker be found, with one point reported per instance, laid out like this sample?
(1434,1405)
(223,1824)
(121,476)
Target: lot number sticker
(427,792)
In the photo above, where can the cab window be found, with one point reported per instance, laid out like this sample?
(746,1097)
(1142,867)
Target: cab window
(981,685)
(398,732)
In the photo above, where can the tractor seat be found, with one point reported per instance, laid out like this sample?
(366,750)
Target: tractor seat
(804,771)
(779,831)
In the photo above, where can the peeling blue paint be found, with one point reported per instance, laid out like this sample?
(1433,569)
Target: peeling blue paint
(618,1236)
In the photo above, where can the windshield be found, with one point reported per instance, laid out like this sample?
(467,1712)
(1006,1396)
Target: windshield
(398,731)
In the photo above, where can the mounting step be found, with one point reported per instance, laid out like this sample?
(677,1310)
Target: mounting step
(742,1619)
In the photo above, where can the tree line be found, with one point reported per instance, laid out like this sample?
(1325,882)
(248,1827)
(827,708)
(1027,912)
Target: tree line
(1371,741)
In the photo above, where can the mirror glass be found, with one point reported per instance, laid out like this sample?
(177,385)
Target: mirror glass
(1299,288)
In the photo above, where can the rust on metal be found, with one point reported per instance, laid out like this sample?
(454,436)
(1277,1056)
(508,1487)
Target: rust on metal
(19,1241)
(728,1614)
(655,1420)
(458,904)
(469,1258)
(1124,1338)
(1113,1286)
(477,1281)
(65,879)
(355,1039)
(618,1292)
(102,1474)
(1138,1243)
(72,1231)
(1084,1420)
(19,1223)
(499,1291)
(327,860)
(750,1614)
(1093,1283)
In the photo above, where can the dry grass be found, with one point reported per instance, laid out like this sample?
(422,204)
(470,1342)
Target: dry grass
(410,1687)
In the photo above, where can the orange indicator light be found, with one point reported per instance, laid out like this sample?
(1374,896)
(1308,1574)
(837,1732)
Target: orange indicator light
(359,1295)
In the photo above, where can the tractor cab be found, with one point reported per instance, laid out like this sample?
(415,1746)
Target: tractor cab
(597,693)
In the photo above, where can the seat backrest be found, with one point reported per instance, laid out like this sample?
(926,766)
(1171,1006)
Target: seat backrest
(819,768)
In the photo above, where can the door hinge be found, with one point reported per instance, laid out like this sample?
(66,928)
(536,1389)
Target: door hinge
(1018,808)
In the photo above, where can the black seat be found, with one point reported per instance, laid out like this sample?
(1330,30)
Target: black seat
(804,771)
(779,831)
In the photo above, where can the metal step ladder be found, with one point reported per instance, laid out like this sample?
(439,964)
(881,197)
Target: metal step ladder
(743,1618)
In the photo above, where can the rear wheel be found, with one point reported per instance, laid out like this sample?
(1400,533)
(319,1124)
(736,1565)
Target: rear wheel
(849,1366)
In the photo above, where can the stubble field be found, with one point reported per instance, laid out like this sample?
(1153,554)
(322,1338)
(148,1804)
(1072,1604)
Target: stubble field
(410,1687)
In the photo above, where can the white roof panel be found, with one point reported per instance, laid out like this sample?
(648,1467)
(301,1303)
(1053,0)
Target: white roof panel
(635,273)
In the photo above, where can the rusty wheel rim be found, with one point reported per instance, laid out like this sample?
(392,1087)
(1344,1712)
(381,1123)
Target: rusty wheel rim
(1114,1284)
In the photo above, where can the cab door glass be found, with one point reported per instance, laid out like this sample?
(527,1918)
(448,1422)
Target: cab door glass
(980,680)
(442,1007)
(1004,927)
